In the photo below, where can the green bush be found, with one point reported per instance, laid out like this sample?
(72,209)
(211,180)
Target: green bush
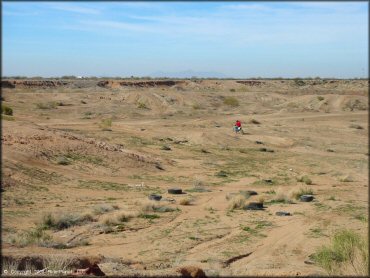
(231,101)
(347,249)
(6,110)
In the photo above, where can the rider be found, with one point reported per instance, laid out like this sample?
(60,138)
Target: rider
(237,126)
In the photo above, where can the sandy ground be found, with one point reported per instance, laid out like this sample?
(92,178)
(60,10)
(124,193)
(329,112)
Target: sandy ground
(319,130)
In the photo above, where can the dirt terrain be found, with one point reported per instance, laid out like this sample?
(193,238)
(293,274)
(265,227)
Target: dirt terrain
(94,150)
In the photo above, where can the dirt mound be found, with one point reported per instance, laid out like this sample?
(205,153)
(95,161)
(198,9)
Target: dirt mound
(32,83)
(326,103)
(51,145)
(138,84)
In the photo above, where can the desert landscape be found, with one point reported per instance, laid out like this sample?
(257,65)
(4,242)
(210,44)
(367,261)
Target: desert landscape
(146,177)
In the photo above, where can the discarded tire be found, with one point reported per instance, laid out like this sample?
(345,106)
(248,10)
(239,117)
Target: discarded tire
(268,180)
(282,213)
(155,197)
(306,198)
(175,191)
(263,150)
(254,206)
(259,142)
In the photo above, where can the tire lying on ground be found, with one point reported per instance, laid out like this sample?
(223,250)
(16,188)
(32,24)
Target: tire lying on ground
(306,198)
(254,206)
(282,213)
(155,197)
(175,191)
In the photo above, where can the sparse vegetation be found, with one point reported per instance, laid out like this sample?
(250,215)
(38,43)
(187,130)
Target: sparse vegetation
(197,106)
(347,254)
(142,105)
(106,124)
(320,98)
(237,202)
(231,101)
(297,193)
(32,236)
(104,208)
(186,201)
(6,110)
(64,221)
(47,105)
(305,179)
(62,160)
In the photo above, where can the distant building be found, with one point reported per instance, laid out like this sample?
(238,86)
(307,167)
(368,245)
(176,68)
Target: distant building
(79,77)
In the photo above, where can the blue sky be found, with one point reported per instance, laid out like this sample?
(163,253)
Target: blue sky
(235,39)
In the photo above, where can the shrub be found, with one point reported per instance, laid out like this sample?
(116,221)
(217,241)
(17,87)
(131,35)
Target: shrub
(142,105)
(150,206)
(320,98)
(149,216)
(100,209)
(62,160)
(296,194)
(281,197)
(237,202)
(347,255)
(232,90)
(299,82)
(6,110)
(197,106)
(47,105)
(64,221)
(306,180)
(231,101)
(58,262)
(32,236)
(106,124)
(186,201)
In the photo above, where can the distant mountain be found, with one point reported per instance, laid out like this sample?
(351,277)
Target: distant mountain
(188,74)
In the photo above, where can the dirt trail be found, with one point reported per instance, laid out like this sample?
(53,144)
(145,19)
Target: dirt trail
(80,147)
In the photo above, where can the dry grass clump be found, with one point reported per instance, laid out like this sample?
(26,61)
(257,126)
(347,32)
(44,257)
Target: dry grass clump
(106,124)
(347,255)
(64,221)
(150,206)
(237,202)
(306,180)
(186,201)
(296,193)
(231,101)
(32,236)
(126,216)
(6,110)
(281,196)
(58,262)
(104,208)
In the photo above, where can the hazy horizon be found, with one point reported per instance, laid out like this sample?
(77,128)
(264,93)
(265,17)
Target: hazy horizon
(178,39)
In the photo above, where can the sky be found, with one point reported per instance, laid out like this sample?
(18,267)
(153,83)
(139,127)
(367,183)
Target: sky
(214,39)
